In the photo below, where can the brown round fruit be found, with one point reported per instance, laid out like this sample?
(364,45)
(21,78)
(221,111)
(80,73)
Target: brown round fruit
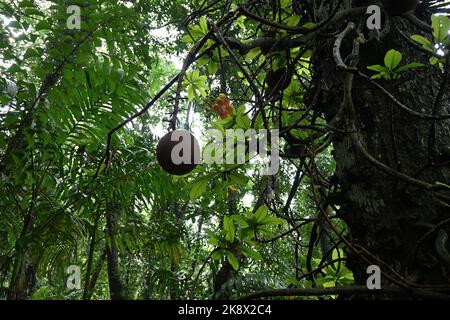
(164,152)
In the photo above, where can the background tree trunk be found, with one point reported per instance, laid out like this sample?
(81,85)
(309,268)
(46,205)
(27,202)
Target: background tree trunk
(23,277)
(112,255)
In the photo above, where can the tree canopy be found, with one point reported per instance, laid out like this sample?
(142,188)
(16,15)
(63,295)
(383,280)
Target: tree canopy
(89,87)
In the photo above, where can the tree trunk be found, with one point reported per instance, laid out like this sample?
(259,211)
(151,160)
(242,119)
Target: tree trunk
(23,277)
(404,226)
(87,294)
(115,284)
(91,256)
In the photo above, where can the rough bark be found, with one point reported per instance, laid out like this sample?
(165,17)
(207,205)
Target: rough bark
(384,214)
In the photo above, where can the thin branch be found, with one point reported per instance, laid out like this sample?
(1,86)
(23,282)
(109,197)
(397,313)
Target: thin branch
(194,285)
(361,290)
(106,157)
(401,105)
(298,226)
(418,23)
(191,58)
(255,90)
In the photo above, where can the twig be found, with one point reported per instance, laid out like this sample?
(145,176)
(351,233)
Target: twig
(255,90)
(106,157)
(305,292)
(401,105)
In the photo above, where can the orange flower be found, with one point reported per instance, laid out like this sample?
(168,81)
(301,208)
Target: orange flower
(223,107)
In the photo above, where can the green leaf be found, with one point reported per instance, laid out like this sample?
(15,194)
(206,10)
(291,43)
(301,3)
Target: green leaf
(240,22)
(30,53)
(392,59)
(410,66)
(380,75)
(243,121)
(434,60)
(259,122)
(261,213)
(42,25)
(230,229)
(248,252)
(33,12)
(67,73)
(239,179)
(252,54)
(217,255)
(203,61)
(423,41)
(309,25)
(80,76)
(26,4)
(186,39)
(204,25)
(270,221)
(336,254)
(293,21)
(191,93)
(15,68)
(285,3)
(196,32)
(212,237)
(212,67)
(241,109)
(232,260)
(198,188)
(441,26)
(111,85)
(378,68)
(195,84)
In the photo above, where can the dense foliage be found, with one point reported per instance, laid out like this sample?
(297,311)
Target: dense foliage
(81,113)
